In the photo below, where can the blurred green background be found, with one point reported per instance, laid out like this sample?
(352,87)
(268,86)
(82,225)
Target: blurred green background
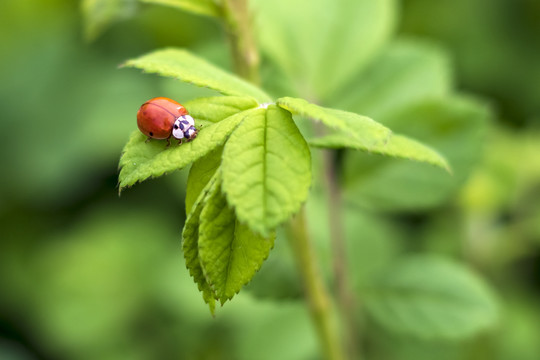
(85,274)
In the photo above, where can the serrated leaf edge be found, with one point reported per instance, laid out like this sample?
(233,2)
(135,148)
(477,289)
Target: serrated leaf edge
(153,176)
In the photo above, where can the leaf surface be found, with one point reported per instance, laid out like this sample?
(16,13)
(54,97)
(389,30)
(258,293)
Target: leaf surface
(230,253)
(398,146)
(200,174)
(319,44)
(190,244)
(366,133)
(185,66)
(201,7)
(404,73)
(98,15)
(266,169)
(141,160)
(207,110)
(430,297)
(454,126)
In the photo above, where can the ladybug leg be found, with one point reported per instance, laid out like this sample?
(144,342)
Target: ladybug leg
(168,141)
(180,142)
(147,140)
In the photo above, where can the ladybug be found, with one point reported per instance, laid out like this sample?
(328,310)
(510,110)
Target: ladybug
(160,118)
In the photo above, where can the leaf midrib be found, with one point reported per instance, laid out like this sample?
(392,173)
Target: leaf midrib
(229,260)
(265,140)
(437,296)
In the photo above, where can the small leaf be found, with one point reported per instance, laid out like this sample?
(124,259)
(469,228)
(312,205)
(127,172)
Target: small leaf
(266,169)
(455,126)
(216,108)
(229,252)
(430,297)
(141,160)
(397,146)
(200,174)
(201,7)
(187,67)
(190,244)
(320,44)
(407,71)
(98,15)
(367,133)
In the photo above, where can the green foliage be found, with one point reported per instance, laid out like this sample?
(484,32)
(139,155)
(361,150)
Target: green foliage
(319,45)
(183,65)
(214,109)
(366,132)
(403,73)
(221,254)
(431,297)
(454,126)
(100,14)
(396,146)
(229,252)
(201,7)
(190,244)
(142,160)
(99,278)
(266,169)
(499,36)
(200,174)
(260,163)
(362,133)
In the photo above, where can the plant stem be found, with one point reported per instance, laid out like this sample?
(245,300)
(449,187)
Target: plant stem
(320,305)
(345,296)
(239,25)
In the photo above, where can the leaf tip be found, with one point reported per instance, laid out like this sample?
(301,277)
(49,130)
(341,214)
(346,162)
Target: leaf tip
(212,308)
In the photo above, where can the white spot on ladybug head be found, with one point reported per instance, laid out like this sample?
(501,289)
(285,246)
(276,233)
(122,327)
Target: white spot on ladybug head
(189,119)
(191,133)
(184,122)
(177,130)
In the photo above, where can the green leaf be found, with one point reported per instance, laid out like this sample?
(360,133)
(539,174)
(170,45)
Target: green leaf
(266,169)
(190,244)
(319,44)
(430,297)
(455,126)
(187,67)
(201,7)
(200,174)
(141,160)
(407,71)
(367,134)
(397,146)
(209,110)
(229,252)
(98,15)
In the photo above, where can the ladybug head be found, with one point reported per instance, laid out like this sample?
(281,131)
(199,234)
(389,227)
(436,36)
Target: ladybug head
(191,133)
(177,130)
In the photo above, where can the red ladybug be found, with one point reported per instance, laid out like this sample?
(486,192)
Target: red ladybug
(160,118)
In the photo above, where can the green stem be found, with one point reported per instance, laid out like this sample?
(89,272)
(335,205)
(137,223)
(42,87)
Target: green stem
(320,305)
(239,25)
(345,296)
